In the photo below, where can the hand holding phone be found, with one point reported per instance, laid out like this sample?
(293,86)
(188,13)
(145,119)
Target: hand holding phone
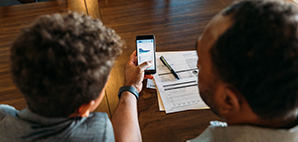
(134,75)
(146,51)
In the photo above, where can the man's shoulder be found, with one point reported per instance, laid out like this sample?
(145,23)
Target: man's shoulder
(7,110)
(246,133)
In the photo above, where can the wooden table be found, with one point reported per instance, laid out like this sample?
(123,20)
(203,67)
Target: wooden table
(176,25)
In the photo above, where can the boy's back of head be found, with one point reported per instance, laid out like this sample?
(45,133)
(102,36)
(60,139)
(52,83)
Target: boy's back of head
(61,62)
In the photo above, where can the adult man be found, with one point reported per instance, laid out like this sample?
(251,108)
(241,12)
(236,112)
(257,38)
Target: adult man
(61,64)
(248,61)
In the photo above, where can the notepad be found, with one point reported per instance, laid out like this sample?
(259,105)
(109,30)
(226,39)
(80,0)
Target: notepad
(178,95)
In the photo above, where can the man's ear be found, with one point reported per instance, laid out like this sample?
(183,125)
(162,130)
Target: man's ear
(228,101)
(85,109)
(233,107)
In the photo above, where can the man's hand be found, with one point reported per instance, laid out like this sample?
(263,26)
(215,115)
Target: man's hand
(134,75)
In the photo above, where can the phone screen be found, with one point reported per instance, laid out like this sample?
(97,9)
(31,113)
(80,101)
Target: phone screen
(146,51)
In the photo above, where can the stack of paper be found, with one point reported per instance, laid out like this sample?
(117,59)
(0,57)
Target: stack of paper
(177,95)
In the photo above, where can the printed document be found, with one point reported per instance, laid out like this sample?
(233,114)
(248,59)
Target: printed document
(183,94)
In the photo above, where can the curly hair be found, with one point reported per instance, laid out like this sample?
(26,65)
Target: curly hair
(61,62)
(258,54)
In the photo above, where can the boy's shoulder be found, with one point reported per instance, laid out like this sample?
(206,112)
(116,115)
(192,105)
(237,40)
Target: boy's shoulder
(7,110)
(98,120)
(26,125)
(97,127)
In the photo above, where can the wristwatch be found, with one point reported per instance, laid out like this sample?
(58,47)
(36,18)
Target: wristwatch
(129,89)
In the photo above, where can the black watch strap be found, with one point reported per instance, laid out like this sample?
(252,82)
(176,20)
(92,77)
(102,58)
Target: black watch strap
(129,89)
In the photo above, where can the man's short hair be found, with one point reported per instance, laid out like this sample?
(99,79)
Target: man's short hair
(258,55)
(61,62)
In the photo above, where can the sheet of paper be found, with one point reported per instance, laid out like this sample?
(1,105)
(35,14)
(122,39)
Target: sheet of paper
(160,103)
(183,94)
(150,84)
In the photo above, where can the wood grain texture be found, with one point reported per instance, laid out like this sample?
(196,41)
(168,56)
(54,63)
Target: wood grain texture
(93,8)
(72,5)
(228,2)
(76,5)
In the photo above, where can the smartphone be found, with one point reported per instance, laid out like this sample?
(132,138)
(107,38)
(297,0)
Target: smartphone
(146,51)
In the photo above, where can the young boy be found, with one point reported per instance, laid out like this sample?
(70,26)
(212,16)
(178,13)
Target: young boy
(61,64)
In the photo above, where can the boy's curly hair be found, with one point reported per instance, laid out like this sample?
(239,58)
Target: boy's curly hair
(61,62)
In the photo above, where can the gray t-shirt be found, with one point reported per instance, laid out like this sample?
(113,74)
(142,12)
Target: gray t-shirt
(220,132)
(26,126)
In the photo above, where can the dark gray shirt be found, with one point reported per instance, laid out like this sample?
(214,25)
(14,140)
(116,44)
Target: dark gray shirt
(220,132)
(26,126)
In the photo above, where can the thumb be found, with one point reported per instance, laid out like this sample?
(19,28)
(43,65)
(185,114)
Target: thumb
(145,65)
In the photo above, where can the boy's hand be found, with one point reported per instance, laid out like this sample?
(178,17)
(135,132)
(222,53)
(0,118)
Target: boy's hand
(134,75)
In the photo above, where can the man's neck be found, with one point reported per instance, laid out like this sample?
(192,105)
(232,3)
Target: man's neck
(287,123)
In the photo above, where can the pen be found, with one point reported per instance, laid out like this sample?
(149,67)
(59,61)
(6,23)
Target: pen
(164,61)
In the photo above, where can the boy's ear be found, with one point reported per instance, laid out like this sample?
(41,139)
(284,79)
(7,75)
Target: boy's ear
(85,109)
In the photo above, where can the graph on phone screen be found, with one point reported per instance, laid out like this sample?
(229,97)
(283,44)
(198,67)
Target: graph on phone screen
(146,51)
